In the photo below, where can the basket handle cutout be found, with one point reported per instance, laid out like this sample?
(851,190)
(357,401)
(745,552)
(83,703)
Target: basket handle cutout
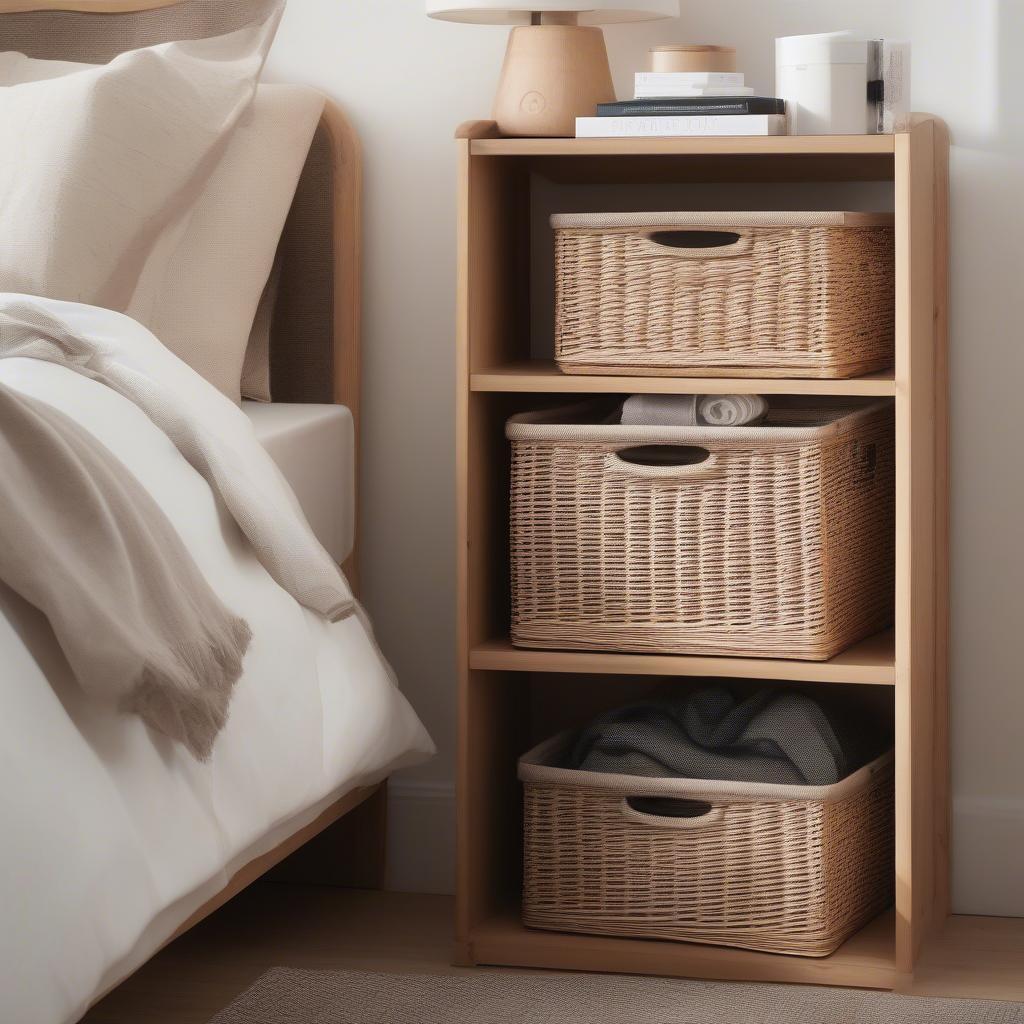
(698,243)
(866,457)
(662,461)
(670,812)
(692,239)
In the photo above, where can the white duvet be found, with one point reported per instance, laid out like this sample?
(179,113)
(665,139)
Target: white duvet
(113,834)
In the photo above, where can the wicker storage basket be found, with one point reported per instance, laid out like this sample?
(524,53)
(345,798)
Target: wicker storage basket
(782,869)
(733,294)
(779,543)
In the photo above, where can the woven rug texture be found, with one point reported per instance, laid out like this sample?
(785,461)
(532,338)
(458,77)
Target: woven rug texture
(287,996)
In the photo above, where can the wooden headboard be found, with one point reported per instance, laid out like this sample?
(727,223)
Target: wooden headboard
(315,327)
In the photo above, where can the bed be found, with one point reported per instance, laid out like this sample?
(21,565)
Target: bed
(116,839)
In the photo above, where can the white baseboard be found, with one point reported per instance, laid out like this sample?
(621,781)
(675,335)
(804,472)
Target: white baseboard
(421,836)
(988,875)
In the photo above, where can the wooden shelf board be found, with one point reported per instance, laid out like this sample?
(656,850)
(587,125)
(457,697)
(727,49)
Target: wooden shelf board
(872,661)
(866,960)
(782,145)
(543,376)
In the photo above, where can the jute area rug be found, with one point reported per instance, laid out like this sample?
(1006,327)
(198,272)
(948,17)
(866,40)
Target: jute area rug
(286,996)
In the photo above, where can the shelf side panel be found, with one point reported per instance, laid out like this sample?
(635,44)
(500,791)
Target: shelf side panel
(941,759)
(919,752)
(490,316)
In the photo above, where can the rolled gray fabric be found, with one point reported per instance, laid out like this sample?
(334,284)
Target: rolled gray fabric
(693,410)
(660,410)
(731,410)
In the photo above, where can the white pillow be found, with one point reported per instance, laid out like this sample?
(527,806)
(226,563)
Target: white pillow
(105,165)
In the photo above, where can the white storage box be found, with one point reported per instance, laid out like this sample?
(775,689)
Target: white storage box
(824,80)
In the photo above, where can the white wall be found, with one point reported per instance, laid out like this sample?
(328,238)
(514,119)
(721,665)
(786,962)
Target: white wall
(407,82)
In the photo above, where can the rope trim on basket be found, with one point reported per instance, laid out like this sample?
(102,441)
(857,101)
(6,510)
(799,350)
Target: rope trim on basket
(534,767)
(725,218)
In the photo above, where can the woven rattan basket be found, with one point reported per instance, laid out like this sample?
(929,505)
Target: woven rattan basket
(736,294)
(783,869)
(770,541)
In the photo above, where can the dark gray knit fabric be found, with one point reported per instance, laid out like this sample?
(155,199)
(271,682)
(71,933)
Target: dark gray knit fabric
(775,736)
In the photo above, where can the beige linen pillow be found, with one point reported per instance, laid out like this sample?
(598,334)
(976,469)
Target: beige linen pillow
(203,305)
(212,300)
(105,165)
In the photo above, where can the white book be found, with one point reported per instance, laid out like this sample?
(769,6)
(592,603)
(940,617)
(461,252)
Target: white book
(686,79)
(657,92)
(682,126)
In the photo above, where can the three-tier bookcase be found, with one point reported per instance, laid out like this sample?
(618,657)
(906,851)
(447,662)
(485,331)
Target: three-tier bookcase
(509,698)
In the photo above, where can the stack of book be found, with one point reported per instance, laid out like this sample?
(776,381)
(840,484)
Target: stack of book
(680,103)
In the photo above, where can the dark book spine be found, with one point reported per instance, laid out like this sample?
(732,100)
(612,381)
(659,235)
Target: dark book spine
(695,108)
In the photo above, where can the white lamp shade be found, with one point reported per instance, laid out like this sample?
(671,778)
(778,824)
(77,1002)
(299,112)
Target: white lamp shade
(591,12)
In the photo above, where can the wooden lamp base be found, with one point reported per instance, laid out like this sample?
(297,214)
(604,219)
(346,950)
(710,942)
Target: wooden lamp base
(552,74)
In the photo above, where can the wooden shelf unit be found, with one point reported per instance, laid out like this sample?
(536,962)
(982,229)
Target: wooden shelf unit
(510,697)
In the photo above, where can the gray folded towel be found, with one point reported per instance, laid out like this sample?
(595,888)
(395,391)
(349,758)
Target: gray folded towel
(775,736)
(693,410)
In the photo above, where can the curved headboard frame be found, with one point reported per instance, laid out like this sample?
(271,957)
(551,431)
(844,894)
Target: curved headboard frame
(347,158)
(346,315)
(316,320)
(84,6)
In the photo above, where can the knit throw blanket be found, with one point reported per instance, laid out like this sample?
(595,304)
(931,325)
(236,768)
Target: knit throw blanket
(83,541)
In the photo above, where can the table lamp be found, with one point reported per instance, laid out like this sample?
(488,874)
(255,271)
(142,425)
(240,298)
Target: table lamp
(556,64)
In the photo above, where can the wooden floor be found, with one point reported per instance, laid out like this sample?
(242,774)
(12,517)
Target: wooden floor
(974,957)
(283,925)
(275,924)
